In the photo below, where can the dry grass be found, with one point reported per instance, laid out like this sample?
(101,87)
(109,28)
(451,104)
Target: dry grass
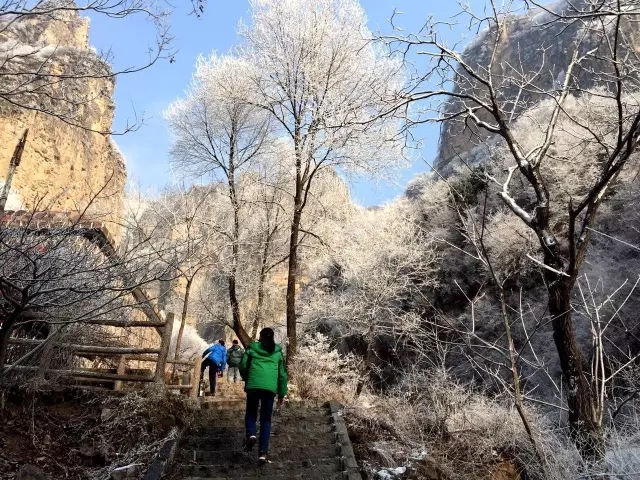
(465,434)
(134,427)
(80,435)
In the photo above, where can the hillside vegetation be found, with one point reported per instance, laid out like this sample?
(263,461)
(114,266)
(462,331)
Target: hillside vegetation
(482,325)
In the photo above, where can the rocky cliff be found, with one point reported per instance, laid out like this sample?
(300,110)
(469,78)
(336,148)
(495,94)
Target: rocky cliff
(54,84)
(533,54)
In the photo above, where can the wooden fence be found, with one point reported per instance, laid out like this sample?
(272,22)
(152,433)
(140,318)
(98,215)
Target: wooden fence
(159,356)
(96,232)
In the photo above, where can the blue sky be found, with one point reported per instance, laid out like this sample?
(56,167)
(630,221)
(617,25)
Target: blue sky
(150,91)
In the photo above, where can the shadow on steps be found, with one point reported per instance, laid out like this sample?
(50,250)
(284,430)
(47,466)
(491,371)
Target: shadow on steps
(305,444)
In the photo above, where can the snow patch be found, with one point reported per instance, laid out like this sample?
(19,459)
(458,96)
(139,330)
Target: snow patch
(14,201)
(114,145)
(391,473)
(41,53)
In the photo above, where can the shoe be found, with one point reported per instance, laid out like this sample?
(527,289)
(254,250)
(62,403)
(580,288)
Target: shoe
(263,459)
(251,441)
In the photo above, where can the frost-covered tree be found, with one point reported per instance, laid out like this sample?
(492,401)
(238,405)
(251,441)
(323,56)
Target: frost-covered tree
(320,78)
(562,164)
(174,228)
(371,285)
(217,132)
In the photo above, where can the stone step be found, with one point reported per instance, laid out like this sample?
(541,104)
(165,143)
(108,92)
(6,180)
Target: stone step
(224,396)
(240,460)
(237,421)
(235,405)
(235,439)
(305,476)
(299,429)
(305,429)
(285,412)
(298,412)
(227,418)
(321,422)
(250,468)
(224,452)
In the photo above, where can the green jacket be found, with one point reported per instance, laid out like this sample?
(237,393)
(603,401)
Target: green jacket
(264,371)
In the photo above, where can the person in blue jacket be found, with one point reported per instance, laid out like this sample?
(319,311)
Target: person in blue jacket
(214,357)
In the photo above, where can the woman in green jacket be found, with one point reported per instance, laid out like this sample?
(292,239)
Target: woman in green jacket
(262,369)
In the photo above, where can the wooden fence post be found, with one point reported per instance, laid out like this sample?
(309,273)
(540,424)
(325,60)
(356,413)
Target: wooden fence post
(47,352)
(195,379)
(164,348)
(122,366)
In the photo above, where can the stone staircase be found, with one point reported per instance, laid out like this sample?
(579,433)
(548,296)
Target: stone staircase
(307,441)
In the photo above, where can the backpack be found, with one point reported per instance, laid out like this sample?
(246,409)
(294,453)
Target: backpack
(234,356)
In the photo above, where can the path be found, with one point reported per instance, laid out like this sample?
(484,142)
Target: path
(305,443)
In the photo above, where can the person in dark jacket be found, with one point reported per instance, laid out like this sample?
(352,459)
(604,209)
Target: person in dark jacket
(234,359)
(214,357)
(262,368)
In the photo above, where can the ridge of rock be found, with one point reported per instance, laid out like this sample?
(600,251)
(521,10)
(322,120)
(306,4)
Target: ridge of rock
(69,157)
(532,44)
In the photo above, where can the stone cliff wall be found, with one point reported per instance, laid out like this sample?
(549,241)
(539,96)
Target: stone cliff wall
(69,160)
(532,46)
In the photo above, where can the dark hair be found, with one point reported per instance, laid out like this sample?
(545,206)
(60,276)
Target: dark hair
(235,342)
(267,339)
(221,341)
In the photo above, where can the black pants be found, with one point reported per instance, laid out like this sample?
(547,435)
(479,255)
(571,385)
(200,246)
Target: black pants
(213,373)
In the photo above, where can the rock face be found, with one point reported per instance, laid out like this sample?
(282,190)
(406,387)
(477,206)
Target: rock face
(69,160)
(532,46)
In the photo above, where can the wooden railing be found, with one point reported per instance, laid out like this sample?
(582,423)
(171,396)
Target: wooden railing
(159,356)
(96,232)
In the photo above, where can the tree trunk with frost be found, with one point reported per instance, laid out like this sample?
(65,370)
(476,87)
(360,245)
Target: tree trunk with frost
(292,278)
(262,278)
(183,318)
(236,320)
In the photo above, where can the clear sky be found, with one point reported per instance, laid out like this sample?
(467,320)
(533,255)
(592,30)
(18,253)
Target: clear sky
(150,91)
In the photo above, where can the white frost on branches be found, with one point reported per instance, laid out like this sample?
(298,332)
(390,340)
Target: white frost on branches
(322,78)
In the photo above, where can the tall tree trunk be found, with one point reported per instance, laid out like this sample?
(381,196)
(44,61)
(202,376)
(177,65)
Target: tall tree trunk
(258,316)
(585,429)
(292,274)
(183,319)
(262,278)
(291,285)
(237,327)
